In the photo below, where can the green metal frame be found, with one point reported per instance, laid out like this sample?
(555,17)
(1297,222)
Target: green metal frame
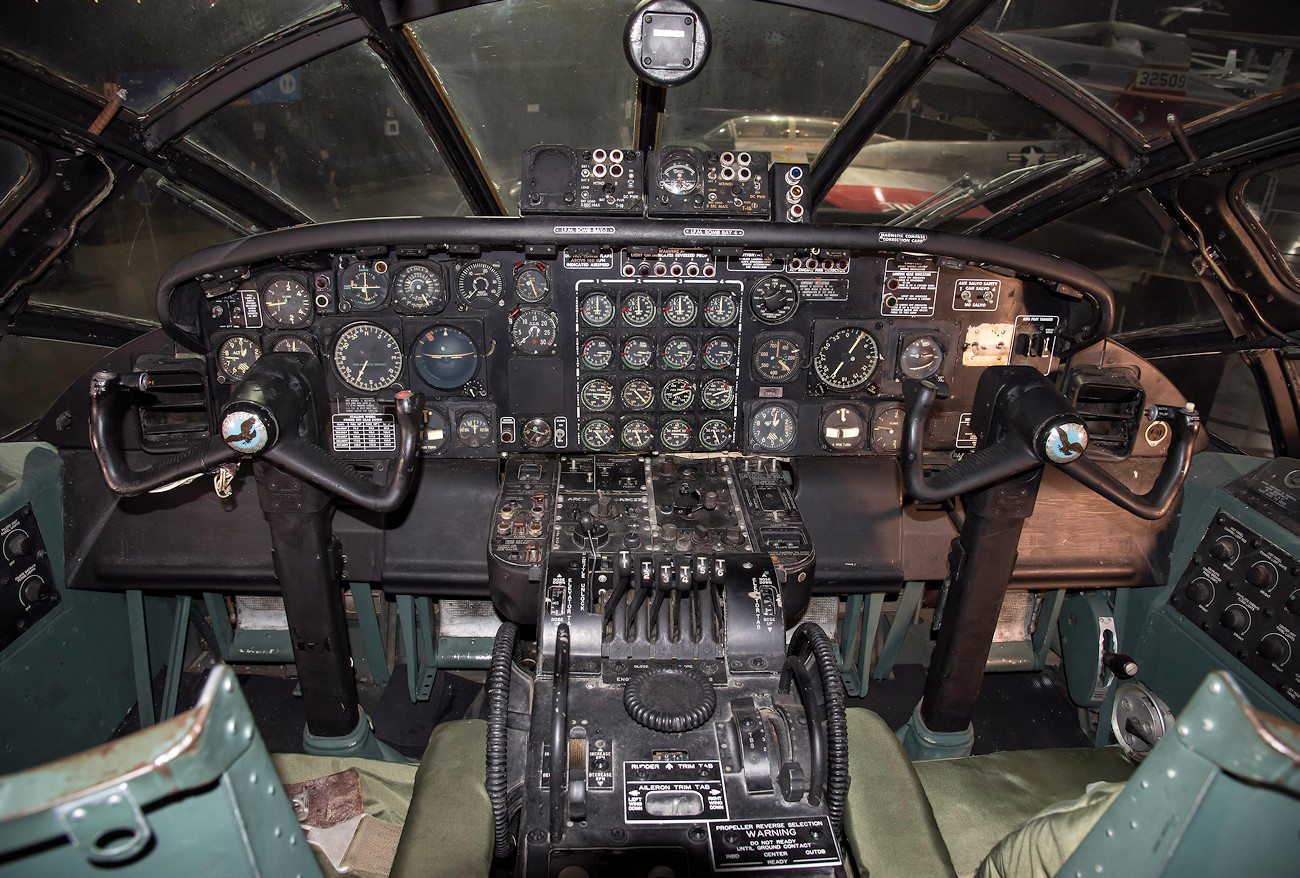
(427,652)
(1029,655)
(196,794)
(858,636)
(896,631)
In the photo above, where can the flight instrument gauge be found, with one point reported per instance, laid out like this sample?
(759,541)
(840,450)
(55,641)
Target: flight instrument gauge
(715,434)
(638,352)
(480,285)
(474,430)
(638,395)
(717,394)
(531,284)
(597,395)
(772,429)
(420,288)
(293,344)
(236,356)
(773,299)
(445,357)
(680,309)
(777,359)
(677,394)
(719,352)
(533,331)
(678,353)
(537,433)
(636,435)
(844,429)
(597,435)
(597,309)
(367,357)
(638,310)
(679,175)
(287,302)
(363,286)
(847,358)
(721,309)
(597,352)
(675,435)
(922,358)
(887,429)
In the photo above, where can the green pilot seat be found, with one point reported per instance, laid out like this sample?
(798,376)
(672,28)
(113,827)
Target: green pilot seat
(1221,794)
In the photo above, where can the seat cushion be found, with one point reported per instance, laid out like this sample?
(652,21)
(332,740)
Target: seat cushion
(887,820)
(978,800)
(1040,847)
(449,824)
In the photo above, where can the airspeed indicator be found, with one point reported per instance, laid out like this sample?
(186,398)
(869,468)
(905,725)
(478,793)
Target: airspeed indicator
(847,358)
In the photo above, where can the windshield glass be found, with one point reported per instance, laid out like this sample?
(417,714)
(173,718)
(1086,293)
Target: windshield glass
(345,143)
(144,48)
(1273,199)
(1146,60)
(955,127)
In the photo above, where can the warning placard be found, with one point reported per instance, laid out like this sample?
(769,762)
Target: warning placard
(909,290)
(753,845)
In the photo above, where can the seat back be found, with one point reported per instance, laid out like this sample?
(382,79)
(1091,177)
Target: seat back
(195,795)
(1218,796)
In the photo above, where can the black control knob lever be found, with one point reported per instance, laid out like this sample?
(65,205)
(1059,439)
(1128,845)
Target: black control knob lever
(1122,666)
(1027,423)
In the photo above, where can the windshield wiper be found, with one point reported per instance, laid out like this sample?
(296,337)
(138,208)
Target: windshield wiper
(966,194)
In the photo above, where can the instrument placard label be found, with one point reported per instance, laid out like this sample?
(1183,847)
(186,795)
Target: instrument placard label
(910,289)
(364,432)
(755,845)
(673,792)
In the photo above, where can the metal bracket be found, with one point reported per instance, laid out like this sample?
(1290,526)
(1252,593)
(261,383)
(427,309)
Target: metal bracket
(108,826)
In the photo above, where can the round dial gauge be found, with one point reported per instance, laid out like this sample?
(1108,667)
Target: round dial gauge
(777,359)
(717,393)
(445,357)
(293,344)
(680,309)
(536,433)
(236,356)
(597,435)
(363,287)
(844,429)
(887,429)
(287,302)
(597,352)
(531,284)
(675,435)
(473,430)
(677,394)
(638,352)
(719,353)
(679,176)
(772,429)
(638,310)
(420,288)
(533,331)
(367,357)
(715,434)
(638,395)
(636,435)
(721,309)
(597,395)
(480,285)
(678,353)
(597,309)
(773,299)
(922,358)
(847,358)
(436,432)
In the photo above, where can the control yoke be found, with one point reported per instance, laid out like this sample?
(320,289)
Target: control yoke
(275,413)
(1030,424)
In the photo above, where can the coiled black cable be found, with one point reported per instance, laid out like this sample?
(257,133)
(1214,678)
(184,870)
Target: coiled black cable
(810,637)
(498,697)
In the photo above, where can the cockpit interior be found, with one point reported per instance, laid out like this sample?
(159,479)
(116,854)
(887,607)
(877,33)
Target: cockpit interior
(664,438)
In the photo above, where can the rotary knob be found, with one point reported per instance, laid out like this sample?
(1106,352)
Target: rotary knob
(1262,575)
(1225,549)
(1235,618)
(1199,591)
(1274,649)
(19,544)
